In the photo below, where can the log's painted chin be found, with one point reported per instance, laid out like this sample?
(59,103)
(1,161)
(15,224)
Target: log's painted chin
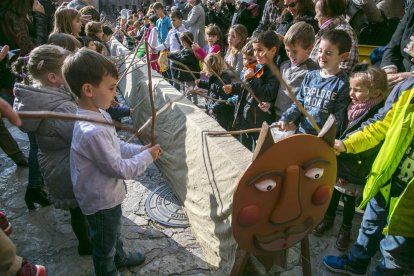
(285,239)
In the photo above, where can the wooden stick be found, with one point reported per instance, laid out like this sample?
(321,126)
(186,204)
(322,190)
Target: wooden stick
(50,115)
(132,61)
(164,108)
(292,96)
(183,70)
(186,67)
(151,95)
(250,130)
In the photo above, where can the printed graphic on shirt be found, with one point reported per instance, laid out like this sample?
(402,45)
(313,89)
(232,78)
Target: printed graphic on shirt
(321,99)
(406,167)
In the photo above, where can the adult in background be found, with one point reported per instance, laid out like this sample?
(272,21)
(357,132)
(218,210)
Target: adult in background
(272,11)
(395,61)
(296,11)
(220,13)
(196,22)
(247,13)
(23,25)
(331,15)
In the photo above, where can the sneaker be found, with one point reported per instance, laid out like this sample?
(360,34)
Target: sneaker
(322,227)
(29,269)
(342,264)
(132,259)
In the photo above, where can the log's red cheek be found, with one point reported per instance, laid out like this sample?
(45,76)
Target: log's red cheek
(321,195)
(248,216)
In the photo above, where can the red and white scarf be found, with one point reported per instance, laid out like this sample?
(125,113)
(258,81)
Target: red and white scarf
(356,110)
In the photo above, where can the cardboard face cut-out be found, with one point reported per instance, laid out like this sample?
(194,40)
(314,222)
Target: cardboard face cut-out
(283,194)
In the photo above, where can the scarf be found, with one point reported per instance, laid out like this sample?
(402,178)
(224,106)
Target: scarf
(356,110)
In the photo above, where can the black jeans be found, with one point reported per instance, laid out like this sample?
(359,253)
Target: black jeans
(349,207)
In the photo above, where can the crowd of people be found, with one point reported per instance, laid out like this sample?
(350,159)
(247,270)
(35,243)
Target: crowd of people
(224,51)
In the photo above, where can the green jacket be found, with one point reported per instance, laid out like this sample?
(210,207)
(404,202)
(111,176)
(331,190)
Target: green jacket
(396,131)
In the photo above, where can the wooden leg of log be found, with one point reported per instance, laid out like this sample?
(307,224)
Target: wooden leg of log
(242,257)
(305,254)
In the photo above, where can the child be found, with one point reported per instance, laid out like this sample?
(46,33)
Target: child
(236,39)
(214,37)
(66,41)
(368,89)
(220,111)
(89,43)
(323,91)
(100,48)
(262,82)
(94,30)
(387,226)
(152,36)
(298,42)
(67,21)
(187,57)
(49,92)
(172,42)
(249,61)
(99,161)
(163,23)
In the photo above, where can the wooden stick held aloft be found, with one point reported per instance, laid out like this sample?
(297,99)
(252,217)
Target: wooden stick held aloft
(151,94)
(51,115)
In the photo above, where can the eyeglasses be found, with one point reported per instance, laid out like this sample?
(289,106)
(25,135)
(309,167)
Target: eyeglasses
(291,5)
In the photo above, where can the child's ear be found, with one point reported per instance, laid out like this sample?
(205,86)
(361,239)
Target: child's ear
(51,77)
(87,90)
(344,56)
(375,93)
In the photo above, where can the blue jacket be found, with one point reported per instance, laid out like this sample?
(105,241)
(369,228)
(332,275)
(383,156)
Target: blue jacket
(320,97)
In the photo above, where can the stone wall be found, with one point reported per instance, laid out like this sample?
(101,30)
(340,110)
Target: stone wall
(201,170)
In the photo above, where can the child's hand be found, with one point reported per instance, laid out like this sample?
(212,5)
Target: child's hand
(339,147)
(248,74)
(227,88)
(114,103)
(155,151)
(286,126)
(264,106)
(195,46)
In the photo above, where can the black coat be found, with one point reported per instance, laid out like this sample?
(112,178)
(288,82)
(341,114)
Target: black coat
(394,53)
(187,57)
(356,167)
(220,111)
(247,113)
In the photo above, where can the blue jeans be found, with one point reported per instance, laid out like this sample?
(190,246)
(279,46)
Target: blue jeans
(105,232)
(397,251)
(35,176)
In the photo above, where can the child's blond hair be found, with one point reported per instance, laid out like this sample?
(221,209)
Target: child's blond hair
(373,78)
(300,33)
(247,49)
(214,63)
(241,33)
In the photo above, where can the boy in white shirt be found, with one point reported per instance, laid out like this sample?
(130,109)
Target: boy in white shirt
(99,160)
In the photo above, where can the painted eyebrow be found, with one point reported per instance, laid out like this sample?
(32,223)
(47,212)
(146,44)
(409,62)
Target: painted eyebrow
(268,173)
(312,162)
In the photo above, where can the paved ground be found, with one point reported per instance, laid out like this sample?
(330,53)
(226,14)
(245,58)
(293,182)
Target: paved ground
(44,236)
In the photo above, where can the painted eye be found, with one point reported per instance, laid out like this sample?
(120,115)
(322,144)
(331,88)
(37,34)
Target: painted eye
(265,185)
(314,173)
